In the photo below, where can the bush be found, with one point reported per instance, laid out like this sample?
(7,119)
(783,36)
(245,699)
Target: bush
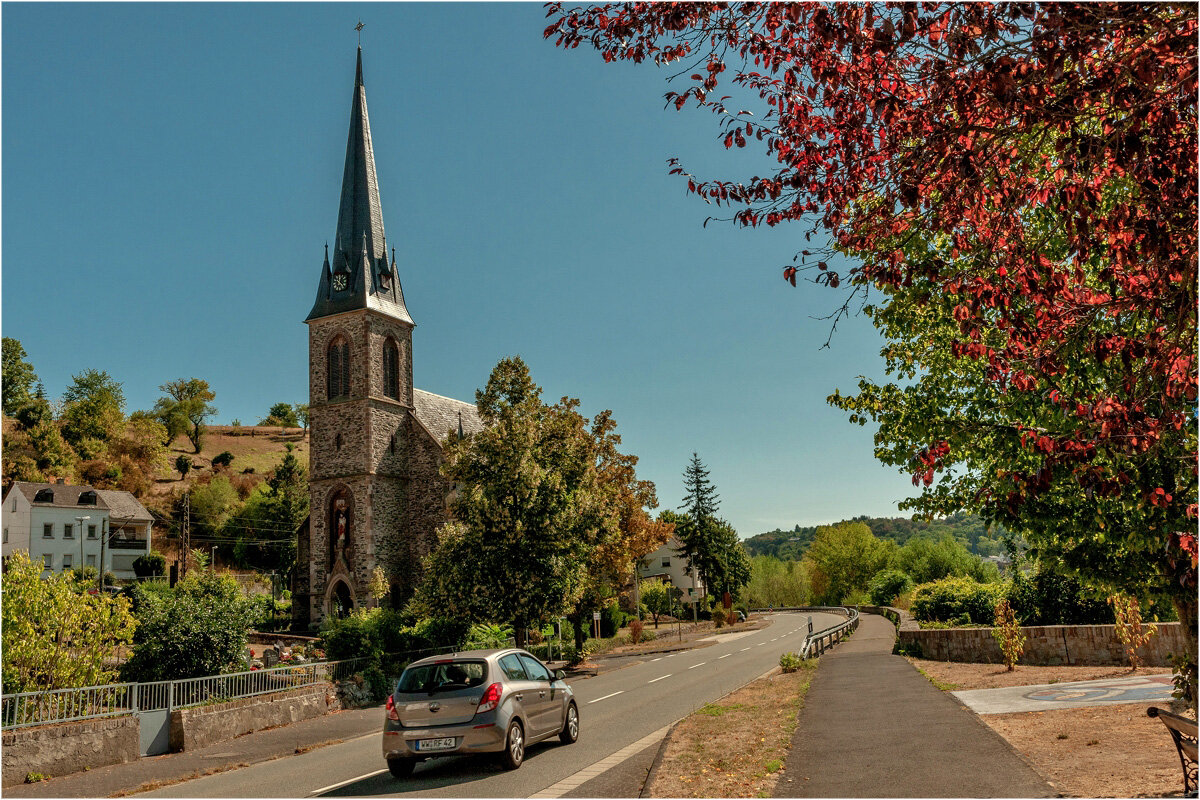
(151,565)
(488,637)
(635,631)
(961,600)
(197,629)
(887,585)
(612,619)
(222,460)
(790,662)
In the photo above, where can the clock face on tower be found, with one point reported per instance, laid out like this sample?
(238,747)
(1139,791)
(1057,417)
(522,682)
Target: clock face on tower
(339,282)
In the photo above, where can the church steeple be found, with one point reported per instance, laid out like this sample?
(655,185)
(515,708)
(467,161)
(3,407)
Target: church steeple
(359,227)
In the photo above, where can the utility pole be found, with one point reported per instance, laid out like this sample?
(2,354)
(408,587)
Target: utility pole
(185,536)
(103,539)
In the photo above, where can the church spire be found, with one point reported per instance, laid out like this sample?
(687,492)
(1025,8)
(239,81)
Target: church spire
(359,237)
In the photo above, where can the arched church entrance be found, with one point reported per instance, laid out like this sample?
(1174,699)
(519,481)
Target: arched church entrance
(340,600)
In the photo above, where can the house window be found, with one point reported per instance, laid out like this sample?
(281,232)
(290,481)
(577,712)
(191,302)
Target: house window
(339,368)
(91,561)
(91,531)
(6,535)
(66,562)
(391,369)
(68,531)
(47,561)
(48,531)
(666,562)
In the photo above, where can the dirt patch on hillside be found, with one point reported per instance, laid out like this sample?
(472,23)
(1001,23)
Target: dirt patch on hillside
(735,747)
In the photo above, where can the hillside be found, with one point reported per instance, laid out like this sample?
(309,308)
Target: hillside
(967,528)
(258,449)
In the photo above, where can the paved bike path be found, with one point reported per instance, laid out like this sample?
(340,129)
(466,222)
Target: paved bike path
(872,726)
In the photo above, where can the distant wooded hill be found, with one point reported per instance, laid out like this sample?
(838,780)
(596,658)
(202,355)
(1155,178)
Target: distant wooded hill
(969,529)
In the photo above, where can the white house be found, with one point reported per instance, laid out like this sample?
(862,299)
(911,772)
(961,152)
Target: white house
(66,526)
(667,564)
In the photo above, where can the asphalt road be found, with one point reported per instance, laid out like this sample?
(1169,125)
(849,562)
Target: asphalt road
(617,710)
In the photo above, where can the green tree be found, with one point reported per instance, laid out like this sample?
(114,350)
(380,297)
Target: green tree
(528,508)
(697,531)
(55,634)
(185,407)
(926,559)
(302,414)
(843,559)
(659,597)
(213,503)
(93,413)
(774,582)
(183,465)
(265,528)
(19,380)
(198,629)
(282,414)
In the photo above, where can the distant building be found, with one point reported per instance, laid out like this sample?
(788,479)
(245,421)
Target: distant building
(667,564)
(376,497)
(63,526)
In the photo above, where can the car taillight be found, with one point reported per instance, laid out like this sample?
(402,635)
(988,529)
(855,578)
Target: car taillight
(490,699)
(393,715)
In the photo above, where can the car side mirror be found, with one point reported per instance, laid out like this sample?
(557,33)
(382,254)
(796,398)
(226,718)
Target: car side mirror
(559,675)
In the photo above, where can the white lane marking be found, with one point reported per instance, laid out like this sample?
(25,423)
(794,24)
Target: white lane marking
(333,786)
(661,677)
(655,659)
(760,644)
(587,773)
(727,655)
(701,664)
(598,699)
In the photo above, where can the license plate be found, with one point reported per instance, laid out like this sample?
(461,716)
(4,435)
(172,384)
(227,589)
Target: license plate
(425,745)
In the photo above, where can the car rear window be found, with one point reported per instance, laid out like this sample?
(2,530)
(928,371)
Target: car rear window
(443,676)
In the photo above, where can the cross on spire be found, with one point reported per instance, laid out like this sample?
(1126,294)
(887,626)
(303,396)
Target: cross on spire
(359,28)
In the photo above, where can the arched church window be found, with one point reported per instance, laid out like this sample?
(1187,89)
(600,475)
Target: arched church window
(391,369)
(338,373)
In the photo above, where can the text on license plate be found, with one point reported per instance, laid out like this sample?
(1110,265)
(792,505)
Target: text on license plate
(425,745)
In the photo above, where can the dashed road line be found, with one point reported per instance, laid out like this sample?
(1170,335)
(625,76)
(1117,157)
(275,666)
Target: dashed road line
(598,699)
(659,678)
(727,655)
(744,649)
(701,664)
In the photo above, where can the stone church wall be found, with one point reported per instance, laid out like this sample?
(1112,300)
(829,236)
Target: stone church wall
(426,507)
(379,328)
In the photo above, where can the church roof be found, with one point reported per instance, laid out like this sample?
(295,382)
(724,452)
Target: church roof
(360,252)
(441,416)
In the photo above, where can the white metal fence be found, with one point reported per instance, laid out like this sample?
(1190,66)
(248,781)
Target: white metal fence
(66,705)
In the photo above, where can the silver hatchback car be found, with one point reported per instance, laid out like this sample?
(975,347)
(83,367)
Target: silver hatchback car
(480,701)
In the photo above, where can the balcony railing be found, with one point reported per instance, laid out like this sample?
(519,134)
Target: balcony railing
(128,544)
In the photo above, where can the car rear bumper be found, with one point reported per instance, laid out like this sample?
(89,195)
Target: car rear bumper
(480,738)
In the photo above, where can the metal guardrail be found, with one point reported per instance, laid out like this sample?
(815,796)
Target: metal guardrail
(822,640)
(90,702)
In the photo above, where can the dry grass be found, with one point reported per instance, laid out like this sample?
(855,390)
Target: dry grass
(1107,751)
(737,746)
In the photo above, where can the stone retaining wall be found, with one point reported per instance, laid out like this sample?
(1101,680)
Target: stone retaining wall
(68,747)
(1045,645)
(192,728)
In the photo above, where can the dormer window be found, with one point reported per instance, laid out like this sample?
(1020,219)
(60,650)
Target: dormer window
(87,498)
(385,275)
(44,496)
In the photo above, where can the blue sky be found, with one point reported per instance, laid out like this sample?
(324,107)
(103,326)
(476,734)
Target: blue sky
(172,172)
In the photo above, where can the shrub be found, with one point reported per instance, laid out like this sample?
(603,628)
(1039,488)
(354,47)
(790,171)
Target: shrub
(197,629)
(183,465)
(150,565)
(222,460)
(1007,632)
(887,585)
(1129,627)
(612,619)
(790,662)
(958,599)
(718,617)
(635,631)
(488,636)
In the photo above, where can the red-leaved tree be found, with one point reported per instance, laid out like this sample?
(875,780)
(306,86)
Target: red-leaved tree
(963,124)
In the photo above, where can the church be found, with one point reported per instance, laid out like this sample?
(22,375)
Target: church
(376,497)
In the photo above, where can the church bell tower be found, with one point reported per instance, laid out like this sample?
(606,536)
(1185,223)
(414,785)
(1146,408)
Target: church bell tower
(360,397)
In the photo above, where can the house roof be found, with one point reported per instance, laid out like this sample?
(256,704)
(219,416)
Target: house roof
(124,506)
(442,415)
(65,495)
(360,249)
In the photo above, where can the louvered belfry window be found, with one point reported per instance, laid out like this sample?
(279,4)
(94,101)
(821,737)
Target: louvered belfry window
(391,369)
(338,374)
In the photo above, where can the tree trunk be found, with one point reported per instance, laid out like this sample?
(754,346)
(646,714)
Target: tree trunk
(1186,606)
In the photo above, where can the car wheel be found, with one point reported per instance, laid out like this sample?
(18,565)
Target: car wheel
(570,731)
(514,746)
(401,767)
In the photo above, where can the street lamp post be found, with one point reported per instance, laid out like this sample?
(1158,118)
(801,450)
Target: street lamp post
(82,561)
